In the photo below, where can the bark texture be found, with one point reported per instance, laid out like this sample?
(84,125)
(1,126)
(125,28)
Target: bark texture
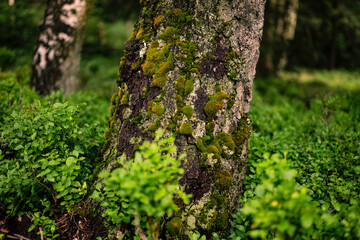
(58,50)
(279,30)
(189,68)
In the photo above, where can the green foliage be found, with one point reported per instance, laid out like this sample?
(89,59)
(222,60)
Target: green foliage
(47,157)
(143,187)
(281,209)
(12,95)
(319,132)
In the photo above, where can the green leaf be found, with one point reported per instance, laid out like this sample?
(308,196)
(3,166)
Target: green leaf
(306,221)
(70,160)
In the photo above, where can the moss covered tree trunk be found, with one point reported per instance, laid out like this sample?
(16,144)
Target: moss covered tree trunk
(189,68)
(58,50)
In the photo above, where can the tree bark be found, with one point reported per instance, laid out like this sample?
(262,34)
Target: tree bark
(279,30)
(189,68)
(58,50)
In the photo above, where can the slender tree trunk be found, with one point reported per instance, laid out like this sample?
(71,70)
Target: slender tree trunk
(58,50)
(189,68)
(279,30)
(334,33)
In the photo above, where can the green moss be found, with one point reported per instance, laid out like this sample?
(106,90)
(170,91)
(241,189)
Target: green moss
(170,127)
(170,34)
(179,101)
(230,55)
(114,98)
(225,139)
(154,44)
(140,34)
(212,149)
(112,109)
(158,20)
(231,100)
(186,129)
(158,110)
(154,126)
(212,107)
(106,145)
(222,222)
(189,86)
(177,117)
(210,127)
(219,96)
(155,64)
(135,65)
(188,111)
(138,119)
(158,81)
(180,85)
(166,67)
(195,70)
(168,13)
(215,104)
(149,111)
(189,19)
(107,134)
(217,88)
(174,226)
(181,57)
(125,99)
(232,75)
(241,134)
(177,12)
(200,145)
(112,121)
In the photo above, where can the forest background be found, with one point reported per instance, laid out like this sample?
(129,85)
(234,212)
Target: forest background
(305,116)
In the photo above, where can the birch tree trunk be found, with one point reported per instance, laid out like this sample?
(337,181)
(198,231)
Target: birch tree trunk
(189,68)
(58,50)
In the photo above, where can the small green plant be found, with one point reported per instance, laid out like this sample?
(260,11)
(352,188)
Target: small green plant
(143,189)
(281,209)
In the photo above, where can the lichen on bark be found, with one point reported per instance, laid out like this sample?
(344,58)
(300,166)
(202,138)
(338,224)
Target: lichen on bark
(197,63)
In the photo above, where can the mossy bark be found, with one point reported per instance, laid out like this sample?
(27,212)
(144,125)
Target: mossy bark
(57,54)
(189,68)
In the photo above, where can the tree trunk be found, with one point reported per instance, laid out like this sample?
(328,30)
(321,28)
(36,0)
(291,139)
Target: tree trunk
(279,30)
(58,50)
(189,68)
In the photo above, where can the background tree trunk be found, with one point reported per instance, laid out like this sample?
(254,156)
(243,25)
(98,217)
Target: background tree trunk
(58,50)
(279,30)
(189,68)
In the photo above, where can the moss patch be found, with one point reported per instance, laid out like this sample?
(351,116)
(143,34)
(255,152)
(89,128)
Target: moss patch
(188,111)
(157,64)
(215,104)
(174,226)
(242,133)
(189,86)
(170,34)
(158,110)
(177,12)
(140,34)
(158,20)
(186,129)
(226,140)
(180,85)
(223,179)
